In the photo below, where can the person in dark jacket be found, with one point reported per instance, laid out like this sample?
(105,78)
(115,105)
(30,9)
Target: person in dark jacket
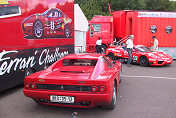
(99,45)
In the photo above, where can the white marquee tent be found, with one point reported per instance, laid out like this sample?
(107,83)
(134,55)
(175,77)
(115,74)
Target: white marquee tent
(81,27)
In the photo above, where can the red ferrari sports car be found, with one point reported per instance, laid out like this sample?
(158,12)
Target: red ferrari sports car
(140,54)
(52,22)
(76,80)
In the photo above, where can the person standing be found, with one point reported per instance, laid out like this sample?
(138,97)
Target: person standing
(98,45)
(155,43)
(129,46)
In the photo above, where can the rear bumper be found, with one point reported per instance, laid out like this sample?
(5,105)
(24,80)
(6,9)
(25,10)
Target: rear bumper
(91,98)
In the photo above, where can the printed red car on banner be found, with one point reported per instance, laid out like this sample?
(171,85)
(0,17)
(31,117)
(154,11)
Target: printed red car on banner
(52,22)
(76,80)
(140,54)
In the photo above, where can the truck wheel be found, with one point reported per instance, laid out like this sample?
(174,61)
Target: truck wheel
(120,76)
(143,61)
(38,30)
(46,66)
(67,31)
(114,99)
(29,71)
(103,49)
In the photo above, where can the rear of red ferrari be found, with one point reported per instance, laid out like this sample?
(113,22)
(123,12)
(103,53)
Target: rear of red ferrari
(69,86)
(73,95)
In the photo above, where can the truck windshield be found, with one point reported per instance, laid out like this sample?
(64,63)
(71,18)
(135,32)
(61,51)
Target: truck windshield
(96,27)
(9,11)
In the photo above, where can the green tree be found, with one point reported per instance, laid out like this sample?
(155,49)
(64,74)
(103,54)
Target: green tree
(128,4)
(159,5)
(100,7)
(93,7)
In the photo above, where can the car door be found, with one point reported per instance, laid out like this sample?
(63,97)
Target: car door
(134,54)
(124,52)
(54,20)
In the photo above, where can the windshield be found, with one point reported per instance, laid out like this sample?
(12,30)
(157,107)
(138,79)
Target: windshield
(96,27)
(9,11)
(45,12)
(143,49)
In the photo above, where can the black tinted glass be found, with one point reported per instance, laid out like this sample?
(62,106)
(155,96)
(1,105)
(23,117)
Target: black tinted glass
(9,10)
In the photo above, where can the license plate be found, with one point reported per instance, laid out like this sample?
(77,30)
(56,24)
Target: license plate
(62,99)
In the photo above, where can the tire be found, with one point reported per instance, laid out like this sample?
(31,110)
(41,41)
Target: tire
(38,29)
(29,71)
(103,49)
(120,76)
(111,55)
(36,101)
(67,31)
(143,61)
(46,66)
(114,99)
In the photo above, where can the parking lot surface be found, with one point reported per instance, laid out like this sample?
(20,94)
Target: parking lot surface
(145,92)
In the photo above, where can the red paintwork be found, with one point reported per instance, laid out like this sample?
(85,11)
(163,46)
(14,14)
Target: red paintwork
(11,29)
(153,57)
(138,23)
(52,25)
(15,46)
(97,75)
(106,32)
(142,23)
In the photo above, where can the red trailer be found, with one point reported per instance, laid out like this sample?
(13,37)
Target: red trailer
(144,25)
(33,35)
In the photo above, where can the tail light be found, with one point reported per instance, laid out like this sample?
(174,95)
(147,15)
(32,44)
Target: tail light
(30,85)
(27,85)
(102,88)
(33,86)
(94,89)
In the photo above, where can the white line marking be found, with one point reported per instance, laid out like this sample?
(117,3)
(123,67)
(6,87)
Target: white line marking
(149,77)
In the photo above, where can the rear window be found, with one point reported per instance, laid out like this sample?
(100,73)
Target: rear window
(9,11)
(79,62)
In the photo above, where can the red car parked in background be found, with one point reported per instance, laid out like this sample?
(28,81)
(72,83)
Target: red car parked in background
(141,54)
(76,80)
(52,22)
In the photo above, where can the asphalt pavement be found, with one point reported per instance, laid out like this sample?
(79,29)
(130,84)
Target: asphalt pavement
(145,92)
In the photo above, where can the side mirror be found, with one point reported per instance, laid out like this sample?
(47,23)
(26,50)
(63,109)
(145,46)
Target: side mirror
(91,28)
(121,60)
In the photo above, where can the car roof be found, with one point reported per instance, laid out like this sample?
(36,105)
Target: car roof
(84,56)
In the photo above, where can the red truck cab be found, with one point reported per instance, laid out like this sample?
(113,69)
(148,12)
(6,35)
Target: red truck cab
(100,26)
